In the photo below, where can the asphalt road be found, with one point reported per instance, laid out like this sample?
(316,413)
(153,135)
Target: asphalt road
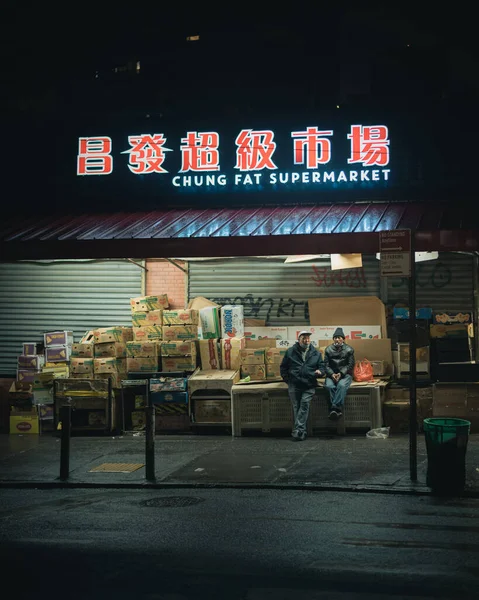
(237,544)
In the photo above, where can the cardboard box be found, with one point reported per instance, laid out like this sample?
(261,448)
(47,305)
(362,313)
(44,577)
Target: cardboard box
(213,411)
(82,376)
(164,397)
(146,364)
(273,371)
(24,422)
(232,321)
(58,370)
(201,302)
(256,372)
(450,331)
(46,412)
(110,350)
(252,356)
(180,332)
(109,365)
(31,361)
(443,318)
(178,348)
(115,377)
(210,353)
(265,344)
(422,359)
(249,322)
(58,338)
(401,312)
(82,350)
(147,332)
(57,354)
(169,364)
(142,349)
(26,375)
(260,333)
(230,352)
(368,310)
(147,303)
(32,348)
(169,384)
(325,332)
(88,337)
(210,322)
(188,316)
(145,319)
(20,390)
(274,356)
(82,365)
(113,334)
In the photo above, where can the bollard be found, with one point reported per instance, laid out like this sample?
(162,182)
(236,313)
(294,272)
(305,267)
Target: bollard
(150,443)
(65,418)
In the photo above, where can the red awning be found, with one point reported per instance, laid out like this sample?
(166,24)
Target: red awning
(335,228)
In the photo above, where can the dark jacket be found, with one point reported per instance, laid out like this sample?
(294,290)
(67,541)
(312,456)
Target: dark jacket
(301,373)
(339,360)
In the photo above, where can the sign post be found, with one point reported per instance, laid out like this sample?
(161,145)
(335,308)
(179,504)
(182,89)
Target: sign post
(398,260)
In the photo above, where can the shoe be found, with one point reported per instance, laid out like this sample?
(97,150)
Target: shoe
(334,415)
(300,437)
(295,435)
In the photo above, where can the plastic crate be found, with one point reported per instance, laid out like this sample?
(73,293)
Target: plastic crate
(362,410)
(247,412)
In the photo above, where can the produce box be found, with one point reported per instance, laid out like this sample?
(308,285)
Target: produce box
(210,354)
(112,334)
(178,348)
(446,318)
(180,332)
(210,322)
(22,422)
(58,338)
(109,365)
(57,354)
(147,332)
(274,356)
(110,350)
(82,365)
(26,375)
(145,364)
(230,352)
(256,372)
(32,348)
(273,371)
(170,364)
(232,321)
(252,356)
(147,303)
(188,316)
(82,350)
(146,319)
(31,361)
(138,349)
(261,333)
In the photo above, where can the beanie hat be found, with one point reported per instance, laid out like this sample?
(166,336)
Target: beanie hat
(339,333)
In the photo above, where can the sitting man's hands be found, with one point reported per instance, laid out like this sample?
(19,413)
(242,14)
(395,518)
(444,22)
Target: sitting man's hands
(336,377)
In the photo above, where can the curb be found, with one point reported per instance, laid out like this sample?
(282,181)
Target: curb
(48,485)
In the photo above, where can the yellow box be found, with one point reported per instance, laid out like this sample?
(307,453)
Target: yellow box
(24,422)
(112,334)
(109,365)
(147,332)
(82,351)
(147,303)
(180,332)
(110,350)
(81,366)
(178,348)
(138,349)
(188,316)
(147,318)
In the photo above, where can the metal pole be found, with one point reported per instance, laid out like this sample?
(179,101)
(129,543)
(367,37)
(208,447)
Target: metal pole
(412,365)
(65,418)
(150,436)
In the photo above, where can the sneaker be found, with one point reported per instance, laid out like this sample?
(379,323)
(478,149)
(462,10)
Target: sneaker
(295,435)
(334,415)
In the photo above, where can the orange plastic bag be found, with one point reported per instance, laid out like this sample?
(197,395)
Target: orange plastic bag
(363,370)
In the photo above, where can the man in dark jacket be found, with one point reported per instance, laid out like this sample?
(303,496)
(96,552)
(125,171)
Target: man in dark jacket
(301,366)
(339,365)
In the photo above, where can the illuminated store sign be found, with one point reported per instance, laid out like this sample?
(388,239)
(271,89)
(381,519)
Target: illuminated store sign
(252,160)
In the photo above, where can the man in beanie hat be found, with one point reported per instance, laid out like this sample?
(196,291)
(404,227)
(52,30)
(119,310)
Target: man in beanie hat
(339,365)
(301,366)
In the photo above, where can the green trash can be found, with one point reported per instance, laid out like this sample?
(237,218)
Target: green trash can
(446,445)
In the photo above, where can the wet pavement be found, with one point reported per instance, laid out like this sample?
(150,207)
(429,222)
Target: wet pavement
(350,462)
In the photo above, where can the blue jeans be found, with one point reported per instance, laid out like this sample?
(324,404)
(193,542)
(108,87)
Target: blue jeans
(300,401)
(338,391)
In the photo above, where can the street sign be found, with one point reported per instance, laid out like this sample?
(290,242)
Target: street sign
(395,250)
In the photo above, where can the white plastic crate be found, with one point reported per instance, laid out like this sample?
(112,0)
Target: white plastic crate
(362,409)
(262,410)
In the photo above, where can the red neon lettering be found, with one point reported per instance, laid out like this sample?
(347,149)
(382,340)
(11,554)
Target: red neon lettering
(94,156)
(147,153)
(369,145)
(255,150)
(312,144)
(199,152)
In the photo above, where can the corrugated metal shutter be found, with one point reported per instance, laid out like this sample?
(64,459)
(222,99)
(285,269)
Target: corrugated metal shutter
(71,295)
(277,292)
(443,284)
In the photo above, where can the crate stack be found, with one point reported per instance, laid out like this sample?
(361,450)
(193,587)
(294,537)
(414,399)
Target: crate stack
(82,359)
(273,358)
(180,337)
(30,362)
(253,363)
(142,357)
(58,349)
(147,317)
(110,353)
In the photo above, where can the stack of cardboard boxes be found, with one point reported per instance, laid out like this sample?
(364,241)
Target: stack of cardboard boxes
(109,350)
(147,317)
(180,336)
(253,363)
(30,362)
(58,349)
(142,357)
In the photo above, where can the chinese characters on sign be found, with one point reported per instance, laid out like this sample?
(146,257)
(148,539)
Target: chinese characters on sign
(255,157)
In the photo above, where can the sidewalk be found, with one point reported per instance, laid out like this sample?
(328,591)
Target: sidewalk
(328,462)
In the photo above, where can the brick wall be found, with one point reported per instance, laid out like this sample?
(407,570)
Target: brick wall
(164,278)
